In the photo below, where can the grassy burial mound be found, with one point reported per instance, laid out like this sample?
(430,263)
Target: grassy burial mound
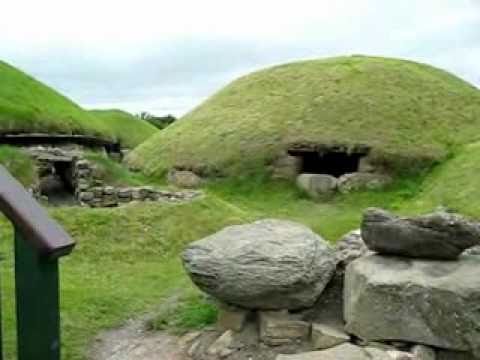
(403,112)
(127,128)
(27,106)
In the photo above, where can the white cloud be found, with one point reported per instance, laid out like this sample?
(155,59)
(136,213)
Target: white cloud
(166,56)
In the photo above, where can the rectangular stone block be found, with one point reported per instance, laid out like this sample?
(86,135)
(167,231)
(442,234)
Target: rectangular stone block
(278,328)
(427,302)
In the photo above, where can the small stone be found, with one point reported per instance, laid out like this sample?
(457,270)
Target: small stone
(86,196)
(231,318)
(422,352)
(324,336)
(350,247)
(192,350)
(278,328)
(184,179)
(224,342)
(400,355)
(109,190)
(317,186)
(82,164)
(362,181)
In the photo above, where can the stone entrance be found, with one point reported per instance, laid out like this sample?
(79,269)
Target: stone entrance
(335,161)
(56,179)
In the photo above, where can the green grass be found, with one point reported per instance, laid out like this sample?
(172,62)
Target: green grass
(115,174)
(453,185)
(19,164)
(127,128)
(27,105)
(412,115)
(126,264)
(192,311)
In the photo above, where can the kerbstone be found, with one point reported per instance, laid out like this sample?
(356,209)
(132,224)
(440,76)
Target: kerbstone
(419,301)
(267,265)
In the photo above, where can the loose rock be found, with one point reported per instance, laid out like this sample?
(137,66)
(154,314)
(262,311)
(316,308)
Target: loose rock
(362,181)
(350,247)
(184,179)
(269,264)
(435,236)
(324,336)
(317,186)
(422,352)
(278,328)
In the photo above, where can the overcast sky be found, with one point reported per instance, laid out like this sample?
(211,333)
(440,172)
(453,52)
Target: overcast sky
(167,56)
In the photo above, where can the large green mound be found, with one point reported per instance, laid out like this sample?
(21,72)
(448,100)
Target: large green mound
(127,128)
(405,111)
(27,105)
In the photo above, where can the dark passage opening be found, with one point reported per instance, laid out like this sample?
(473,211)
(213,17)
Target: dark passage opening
(335,163)
(56,184)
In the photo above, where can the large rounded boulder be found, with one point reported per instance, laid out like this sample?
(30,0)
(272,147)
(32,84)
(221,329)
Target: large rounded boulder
(268,264)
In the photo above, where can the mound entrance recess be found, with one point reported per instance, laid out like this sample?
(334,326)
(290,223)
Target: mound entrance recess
(335,161)
(56,180)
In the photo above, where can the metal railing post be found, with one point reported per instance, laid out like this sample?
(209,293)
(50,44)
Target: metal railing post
(37,303)
(39,243)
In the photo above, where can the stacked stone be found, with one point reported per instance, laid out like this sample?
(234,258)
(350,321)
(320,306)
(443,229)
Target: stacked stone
(109,196)
(398,289)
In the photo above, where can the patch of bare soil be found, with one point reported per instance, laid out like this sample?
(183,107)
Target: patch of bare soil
(133,341)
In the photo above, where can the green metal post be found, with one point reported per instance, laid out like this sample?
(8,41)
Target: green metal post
(37,299)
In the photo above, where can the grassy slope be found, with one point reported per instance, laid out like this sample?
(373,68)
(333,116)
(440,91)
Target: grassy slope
(19,164)
(126,262)
(123,267)
(26,105)
(403,109)
(453,184)
(130,130)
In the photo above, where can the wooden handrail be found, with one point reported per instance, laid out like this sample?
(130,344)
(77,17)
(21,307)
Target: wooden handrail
(37,228)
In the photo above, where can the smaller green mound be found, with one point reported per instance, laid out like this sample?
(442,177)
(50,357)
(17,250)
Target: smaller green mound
(407,113)
(125,127)
(19,164)
(27,105)
(453,185)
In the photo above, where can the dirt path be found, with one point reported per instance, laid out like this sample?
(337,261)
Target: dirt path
(133,342)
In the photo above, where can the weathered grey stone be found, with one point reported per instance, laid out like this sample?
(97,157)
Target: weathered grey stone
(325,336)
(350,247)
(286,167)
(400,355)
(317,186)
(472,251)
(419,301)
(422,352)
(279,327)
(268,264)
(109,190)
(82,164)
(86,196)
(184,179)
(365,165)
(435,236)
(222,345)
(231,318)
(342,352)
(362,181)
